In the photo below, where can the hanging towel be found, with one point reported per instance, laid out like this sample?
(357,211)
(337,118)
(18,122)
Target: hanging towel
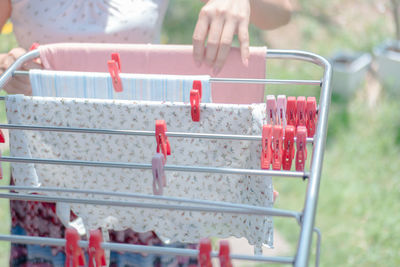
(180,226)
(163,59)
(99,85)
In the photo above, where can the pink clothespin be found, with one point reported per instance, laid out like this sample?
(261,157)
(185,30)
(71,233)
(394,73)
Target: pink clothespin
(277,144)
(271,110)
(281,110)
(74,254)
(162,139)
(204,257)
(224,254)
(311,115)
(266,140)
(97,256)
(159,179)
(34,46)
(291,111)
(114,67)
(301,111)
(197,86)
(288,148)
(301,153)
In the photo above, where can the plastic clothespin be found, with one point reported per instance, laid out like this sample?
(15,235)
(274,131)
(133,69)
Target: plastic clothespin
(277,145)
(301,111)
(311,115)
(97,256)
(114,67)
(266,153)
(159,179)
(224,254)
(291,111)
(288,148)
(163,145)
(281,110)
(301,144)
(195,98)
(2,139)
(74,254)
(204,257)
(34,46)
(271,110)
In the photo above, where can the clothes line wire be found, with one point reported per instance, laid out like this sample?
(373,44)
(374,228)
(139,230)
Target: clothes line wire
(136,133)
(290,174)
(139,248)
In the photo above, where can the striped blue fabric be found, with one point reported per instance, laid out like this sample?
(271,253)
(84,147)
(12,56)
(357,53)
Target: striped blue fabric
(152,87)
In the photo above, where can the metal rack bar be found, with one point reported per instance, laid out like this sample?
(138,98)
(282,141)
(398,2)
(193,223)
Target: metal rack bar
(291,174)
(232,80)
(140,196)
(139,248)
(134,133)
(119,203)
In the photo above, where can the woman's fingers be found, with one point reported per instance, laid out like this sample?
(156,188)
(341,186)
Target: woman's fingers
(219,21)
(243,36)
(199,37)
(224,45)
(213,42)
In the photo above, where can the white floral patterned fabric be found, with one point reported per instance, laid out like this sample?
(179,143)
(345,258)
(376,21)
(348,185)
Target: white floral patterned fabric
(182,226)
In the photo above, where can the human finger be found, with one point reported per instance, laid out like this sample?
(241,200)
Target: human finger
(243,36)
(18,85)
(199,37)
(214,37)
(224,45)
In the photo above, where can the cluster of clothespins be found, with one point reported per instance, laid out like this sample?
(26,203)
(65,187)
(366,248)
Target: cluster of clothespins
(75,256)
(287,119)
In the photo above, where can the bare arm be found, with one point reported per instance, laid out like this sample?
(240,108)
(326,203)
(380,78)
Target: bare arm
(270,14)
(5,12)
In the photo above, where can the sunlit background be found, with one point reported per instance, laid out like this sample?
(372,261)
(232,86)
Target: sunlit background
(359,201)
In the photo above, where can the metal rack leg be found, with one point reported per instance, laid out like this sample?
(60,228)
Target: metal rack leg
(318,249)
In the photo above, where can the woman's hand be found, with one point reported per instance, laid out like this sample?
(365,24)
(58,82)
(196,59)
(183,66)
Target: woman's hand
(220,20)
(17,84)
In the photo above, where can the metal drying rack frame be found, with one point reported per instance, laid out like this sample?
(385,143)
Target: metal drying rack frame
(305,218)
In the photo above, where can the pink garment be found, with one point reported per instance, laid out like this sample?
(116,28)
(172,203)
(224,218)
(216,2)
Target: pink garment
(162,59)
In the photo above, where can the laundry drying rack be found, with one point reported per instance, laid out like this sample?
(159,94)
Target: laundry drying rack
(305,218)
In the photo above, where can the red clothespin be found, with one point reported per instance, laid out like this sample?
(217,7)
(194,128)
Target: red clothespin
(291,111)
(288,148)
(2,139)
(74,254)
(224,257)
(195,98)
(271,110)
(159,179)
(266,153)
(277,144)
(204,257)
(162,139)
(311,115)
(281,110)
(301,111)
(114,67)
(34,46)
(97,256)
(301,153)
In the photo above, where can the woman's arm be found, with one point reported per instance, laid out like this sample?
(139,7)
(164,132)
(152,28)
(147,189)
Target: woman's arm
(5,12)
(220,20)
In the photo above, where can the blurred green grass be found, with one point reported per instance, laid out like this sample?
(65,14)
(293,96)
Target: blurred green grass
(359,195)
